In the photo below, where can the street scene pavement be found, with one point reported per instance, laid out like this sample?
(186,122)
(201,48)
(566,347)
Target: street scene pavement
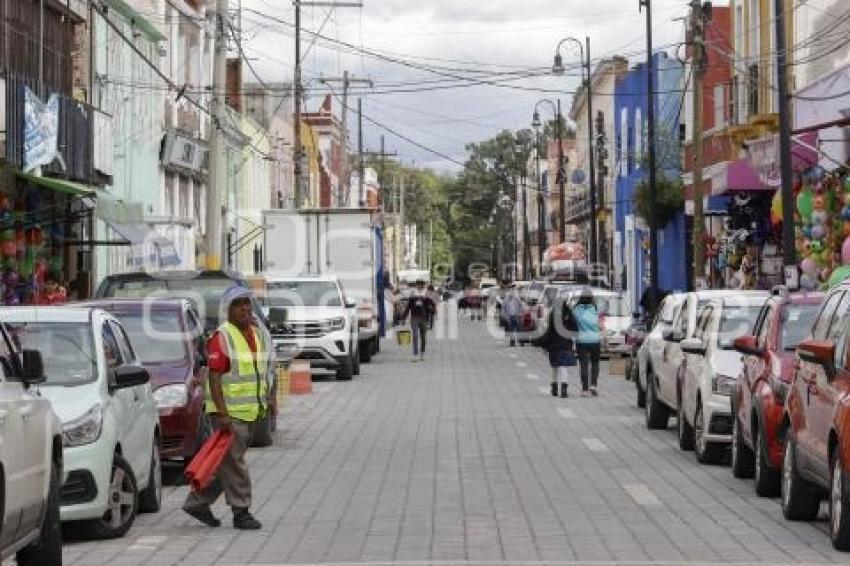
(466,459)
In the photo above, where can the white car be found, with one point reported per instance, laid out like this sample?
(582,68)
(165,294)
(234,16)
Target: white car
(661,371)
(321,323)
(30,459)
(654,343)
(616,315)
(709,372)
(110,423)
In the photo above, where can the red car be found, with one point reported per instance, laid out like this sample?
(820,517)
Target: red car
(816,463)
(169,337)
(762,386)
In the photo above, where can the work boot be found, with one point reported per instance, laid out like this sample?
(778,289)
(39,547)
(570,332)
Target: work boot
(203,514)
(564,394)
(554,389)
(244,521)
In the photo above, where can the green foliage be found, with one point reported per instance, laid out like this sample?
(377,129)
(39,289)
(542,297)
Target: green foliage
(669,199)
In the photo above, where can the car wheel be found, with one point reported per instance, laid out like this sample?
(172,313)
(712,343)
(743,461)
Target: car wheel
(800,501)
(742,457)
(839,512)
(366,350)
(766,477)
(657,414)
(706,452)
(641,394)
(263,435)
(150,498)
(684,429)
(346,370)
(47,551)
(122,503)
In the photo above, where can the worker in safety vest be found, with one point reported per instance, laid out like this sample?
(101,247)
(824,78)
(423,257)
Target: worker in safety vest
(241,361)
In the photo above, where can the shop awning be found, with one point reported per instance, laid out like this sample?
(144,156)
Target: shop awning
(60,185)
(149,245)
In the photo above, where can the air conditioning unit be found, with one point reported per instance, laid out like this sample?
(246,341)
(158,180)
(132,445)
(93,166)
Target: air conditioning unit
(183,152)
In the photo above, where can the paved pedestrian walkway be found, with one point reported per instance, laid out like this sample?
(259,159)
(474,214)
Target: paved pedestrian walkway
(465,458)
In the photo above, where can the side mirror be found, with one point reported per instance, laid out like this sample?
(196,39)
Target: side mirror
(820,352)
(747,345)
(32,365)
(693,346)
(130,376)
(350,303)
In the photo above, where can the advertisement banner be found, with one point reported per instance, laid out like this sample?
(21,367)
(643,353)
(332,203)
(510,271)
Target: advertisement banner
(41,130)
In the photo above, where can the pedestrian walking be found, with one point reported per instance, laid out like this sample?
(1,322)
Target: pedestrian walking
(589,341)
(558,341)
(435,299)
(237,395)
(420,308)
(512,306)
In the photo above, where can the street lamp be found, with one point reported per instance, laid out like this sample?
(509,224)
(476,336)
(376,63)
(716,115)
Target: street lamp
(559,69)
(519,147)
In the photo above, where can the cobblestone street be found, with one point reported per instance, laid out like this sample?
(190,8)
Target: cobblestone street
(465,458)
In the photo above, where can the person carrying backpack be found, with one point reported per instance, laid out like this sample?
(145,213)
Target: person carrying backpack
(558,341)
(588,341)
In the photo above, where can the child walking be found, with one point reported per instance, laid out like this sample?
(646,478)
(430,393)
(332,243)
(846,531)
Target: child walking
(558,341)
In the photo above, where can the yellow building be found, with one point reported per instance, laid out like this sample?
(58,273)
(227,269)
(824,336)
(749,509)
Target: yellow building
(311,167)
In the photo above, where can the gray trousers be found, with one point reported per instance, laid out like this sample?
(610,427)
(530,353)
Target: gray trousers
(419,328)
(232,477)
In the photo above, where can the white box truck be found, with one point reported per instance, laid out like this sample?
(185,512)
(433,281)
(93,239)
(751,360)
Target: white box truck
(345,243)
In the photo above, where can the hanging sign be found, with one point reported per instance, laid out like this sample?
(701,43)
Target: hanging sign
(41,130)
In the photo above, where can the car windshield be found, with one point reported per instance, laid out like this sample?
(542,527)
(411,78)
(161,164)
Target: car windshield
(736,321)
(613,305)
(67,349)
(156,336)
(796,324)
(301,294)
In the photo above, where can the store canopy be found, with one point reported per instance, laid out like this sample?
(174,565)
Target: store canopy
(148,244)
(60,185)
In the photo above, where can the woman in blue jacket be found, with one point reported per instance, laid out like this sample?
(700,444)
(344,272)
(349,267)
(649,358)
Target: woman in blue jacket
(588,341)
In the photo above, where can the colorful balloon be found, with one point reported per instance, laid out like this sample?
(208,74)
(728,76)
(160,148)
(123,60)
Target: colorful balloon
(804,204)
(818,231)
(809,266)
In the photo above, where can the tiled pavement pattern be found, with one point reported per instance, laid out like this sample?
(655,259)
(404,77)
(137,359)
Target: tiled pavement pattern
(465,459)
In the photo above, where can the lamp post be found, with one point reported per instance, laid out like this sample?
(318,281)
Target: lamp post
(520,155)
(558,69)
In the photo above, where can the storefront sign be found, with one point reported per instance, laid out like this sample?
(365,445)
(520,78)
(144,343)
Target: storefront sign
(764,156)
(41,130)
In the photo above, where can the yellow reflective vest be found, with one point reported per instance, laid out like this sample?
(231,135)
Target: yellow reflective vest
(245,386)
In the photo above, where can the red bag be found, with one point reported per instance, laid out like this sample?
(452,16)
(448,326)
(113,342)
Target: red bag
(201,470)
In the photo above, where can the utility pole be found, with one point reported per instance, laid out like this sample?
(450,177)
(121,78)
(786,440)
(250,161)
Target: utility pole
(590,157)
(541,204)
(401,226)
(360,166)
(297,149)
(650,117)
(218,169)
(382,155)
(562,174)
(346,80)
(698,67)
(789,252)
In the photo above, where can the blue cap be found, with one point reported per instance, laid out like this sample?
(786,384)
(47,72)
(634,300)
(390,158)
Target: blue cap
(234,293)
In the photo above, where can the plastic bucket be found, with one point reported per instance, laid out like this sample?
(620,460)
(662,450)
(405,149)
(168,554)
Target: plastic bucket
(404,337)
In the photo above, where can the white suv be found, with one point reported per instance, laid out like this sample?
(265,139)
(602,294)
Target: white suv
(709,373)
(30,461)
(665,355)
(110,422)
(321,322)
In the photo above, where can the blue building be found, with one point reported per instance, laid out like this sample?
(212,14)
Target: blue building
(631,237)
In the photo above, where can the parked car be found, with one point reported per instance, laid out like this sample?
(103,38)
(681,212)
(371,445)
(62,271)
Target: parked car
(204,287)
(634,337)
(31,461)
(762,386)
(707,377)
(652,350)
(544,305)
(816,461)
(110,426)
(322,322)
(665,356)
(170,339)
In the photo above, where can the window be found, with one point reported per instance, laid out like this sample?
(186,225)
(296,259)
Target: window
(302,293)
(754,29)
(702,322)
(838,319)
(796,324)
(7,358)
(638,138)
(124,343)
(825,317)
(158,334)
(111,351)
(624,142)
(763,326)
(719,106)
(753,89)
(67,350)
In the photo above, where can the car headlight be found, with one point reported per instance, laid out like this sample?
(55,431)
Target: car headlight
(335,323)
(83,430)
(171,396)
(723,385)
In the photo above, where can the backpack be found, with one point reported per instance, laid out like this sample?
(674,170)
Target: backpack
(587,320)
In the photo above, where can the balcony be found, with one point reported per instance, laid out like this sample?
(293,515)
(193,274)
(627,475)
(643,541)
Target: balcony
(84,139)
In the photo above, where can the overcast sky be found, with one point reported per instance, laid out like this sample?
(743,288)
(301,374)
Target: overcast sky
(458,38)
